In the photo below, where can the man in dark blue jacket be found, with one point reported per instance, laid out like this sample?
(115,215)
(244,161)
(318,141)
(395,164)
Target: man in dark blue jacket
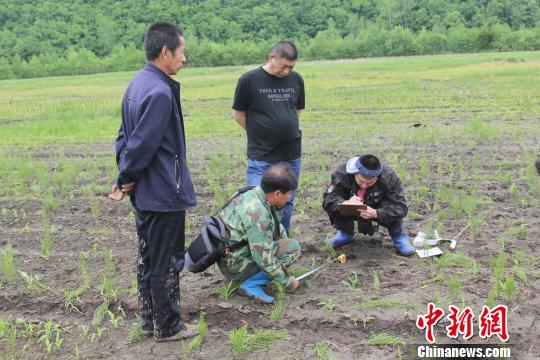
(152,166)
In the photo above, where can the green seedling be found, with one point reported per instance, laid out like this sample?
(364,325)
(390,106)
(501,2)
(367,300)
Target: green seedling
(313,261)
(29,328)
(242,342)
(297,271)
(108,286)
(99,333)
(351,283)
(383,303)
(238,339)
(455,286)
(510,288)
(435,279)
(376,282)
(456,260)
(279,306)
(7,263)
(84,330)
(197,341)
(135,333)
(134,288)
(330,250)
(322,351)
(46,241)
(58,340)
(94,208)
(384,339)
(226,290)
(114,319)
(72,296)
(366,319)
(32,283)
(100,313)
(329,304)
(47,334)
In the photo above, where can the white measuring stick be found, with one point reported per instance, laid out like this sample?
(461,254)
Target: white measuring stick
(454,242)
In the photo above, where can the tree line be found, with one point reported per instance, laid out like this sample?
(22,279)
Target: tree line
(78,37)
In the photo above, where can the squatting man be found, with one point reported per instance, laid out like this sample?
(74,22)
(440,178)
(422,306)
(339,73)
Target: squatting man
(253,218)
(366,180)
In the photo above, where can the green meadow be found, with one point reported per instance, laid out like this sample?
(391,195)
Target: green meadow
(462,131)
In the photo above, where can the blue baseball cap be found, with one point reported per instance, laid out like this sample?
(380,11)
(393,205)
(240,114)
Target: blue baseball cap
(354,166)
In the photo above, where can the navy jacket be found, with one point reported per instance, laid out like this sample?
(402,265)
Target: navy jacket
(151,145)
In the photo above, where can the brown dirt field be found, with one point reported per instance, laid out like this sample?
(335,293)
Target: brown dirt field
(75,229)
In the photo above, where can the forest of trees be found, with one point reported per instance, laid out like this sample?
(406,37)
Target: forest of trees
(55,37)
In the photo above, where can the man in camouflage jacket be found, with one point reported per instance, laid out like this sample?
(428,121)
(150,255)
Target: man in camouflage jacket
(365,180)
(252,219)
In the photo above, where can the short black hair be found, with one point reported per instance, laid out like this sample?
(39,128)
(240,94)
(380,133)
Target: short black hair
(370,162)
(159,35)
(285,50)
(279,177)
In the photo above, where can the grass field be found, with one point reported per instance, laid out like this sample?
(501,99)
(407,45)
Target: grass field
(462,131)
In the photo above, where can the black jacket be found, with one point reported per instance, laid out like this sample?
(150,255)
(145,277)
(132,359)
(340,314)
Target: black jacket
(386,195)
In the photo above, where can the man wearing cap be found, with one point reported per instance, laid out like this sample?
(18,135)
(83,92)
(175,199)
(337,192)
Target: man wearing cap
(365,180)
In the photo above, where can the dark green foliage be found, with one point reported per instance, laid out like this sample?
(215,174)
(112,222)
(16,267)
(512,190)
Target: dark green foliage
(78,37)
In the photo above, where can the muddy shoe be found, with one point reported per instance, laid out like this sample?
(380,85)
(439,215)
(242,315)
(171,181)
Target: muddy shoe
(190,330)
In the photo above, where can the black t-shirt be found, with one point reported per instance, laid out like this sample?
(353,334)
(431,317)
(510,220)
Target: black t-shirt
(270,104)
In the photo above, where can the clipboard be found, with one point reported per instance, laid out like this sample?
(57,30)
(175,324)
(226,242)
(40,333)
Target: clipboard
(351,209)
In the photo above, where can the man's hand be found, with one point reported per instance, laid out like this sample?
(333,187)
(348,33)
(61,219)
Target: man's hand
(240,117)
(369,213)
(296,283)
(127,187)
(116,194)
(354,200)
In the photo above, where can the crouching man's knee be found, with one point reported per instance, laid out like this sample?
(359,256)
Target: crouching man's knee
(288,251)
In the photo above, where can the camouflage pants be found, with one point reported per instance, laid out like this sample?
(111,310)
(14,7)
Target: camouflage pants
(286,251)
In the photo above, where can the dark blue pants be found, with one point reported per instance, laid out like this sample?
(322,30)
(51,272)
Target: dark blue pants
(254,174)
(161,258)
(346,224)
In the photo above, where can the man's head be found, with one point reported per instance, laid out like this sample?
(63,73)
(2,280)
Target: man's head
(164,46)
(282,59)
(278,182)
(366,170)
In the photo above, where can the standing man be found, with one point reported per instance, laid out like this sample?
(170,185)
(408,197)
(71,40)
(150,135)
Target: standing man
(365,180)
(267,104)
(151,158)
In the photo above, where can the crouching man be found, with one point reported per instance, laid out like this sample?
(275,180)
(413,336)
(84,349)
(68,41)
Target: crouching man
(365,180)
(253,219)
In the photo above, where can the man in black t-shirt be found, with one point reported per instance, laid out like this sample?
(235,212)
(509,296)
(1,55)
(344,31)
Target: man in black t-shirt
(267,104)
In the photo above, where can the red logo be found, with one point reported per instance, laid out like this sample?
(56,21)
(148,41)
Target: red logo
(494,322)
(429,320)
(491,322)
(460,323)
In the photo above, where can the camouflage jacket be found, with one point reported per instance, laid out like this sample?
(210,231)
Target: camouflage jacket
(250,218)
